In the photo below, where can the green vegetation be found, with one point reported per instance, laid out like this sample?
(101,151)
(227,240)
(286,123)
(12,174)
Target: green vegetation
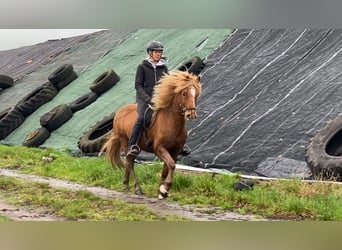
(3,218)
(72,205)
(292,199)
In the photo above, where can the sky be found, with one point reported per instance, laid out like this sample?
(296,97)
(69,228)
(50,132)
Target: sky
(15,38)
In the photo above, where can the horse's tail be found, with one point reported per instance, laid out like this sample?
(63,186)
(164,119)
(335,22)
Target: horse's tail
(112,148)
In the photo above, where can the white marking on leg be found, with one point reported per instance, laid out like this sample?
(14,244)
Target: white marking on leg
(162,189)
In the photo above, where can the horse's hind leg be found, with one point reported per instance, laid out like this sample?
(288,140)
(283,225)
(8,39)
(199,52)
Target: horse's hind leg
(130,171)
(138,189)
(128,165)
(126,178)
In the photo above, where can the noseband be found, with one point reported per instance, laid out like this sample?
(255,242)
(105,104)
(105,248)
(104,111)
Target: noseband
(183,109)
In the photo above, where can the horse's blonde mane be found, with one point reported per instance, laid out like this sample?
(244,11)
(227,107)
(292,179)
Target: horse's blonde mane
(171,84)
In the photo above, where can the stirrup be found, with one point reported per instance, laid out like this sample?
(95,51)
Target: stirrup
(134,150)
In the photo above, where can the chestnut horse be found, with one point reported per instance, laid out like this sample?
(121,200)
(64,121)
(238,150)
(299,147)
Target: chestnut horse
(174,103)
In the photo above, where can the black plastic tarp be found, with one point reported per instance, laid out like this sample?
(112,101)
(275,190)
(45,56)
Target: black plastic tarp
(265,94)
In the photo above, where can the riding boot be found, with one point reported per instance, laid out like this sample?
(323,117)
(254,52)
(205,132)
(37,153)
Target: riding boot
(185,151)
(133,148)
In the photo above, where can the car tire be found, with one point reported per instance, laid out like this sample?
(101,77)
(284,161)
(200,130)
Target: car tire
(6,81)
(93,140)
(56,117)
(104,82)
(36,137)
(60,85)
(37,98)
(83,101)
(61,73)
(324,151)
(10,119)
(194,65)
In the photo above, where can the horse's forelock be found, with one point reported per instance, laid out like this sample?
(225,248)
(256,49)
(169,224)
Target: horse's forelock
(171,84)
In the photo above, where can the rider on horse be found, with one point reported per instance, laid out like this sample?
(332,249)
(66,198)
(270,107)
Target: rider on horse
(147,75)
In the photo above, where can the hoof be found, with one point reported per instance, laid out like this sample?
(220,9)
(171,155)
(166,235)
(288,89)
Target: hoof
(162,189)
(163,193)
(139,192)
(162,196)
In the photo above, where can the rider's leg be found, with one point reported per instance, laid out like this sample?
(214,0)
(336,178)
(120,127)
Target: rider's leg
(133,148)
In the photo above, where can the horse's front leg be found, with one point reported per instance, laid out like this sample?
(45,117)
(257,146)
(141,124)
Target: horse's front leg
(167,173)
(164,173)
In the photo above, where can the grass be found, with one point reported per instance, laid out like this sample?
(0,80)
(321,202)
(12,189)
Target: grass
(72,205)
(292,199)
(3,218)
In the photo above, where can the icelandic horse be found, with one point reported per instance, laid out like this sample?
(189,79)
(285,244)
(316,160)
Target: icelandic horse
(174,104)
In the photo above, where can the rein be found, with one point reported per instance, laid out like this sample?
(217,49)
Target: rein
(181,110)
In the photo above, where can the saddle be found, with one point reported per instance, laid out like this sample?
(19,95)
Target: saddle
(147,118)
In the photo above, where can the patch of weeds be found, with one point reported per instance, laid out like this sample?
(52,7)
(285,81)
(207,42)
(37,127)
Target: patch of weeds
(182,182)
(3,219)
(295,207)
(205,185)
(148,174)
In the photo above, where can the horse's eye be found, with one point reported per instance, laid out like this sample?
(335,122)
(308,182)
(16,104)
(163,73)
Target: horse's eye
(184,93)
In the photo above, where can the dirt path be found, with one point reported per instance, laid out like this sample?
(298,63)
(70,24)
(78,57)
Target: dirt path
(159,207)
(21,214)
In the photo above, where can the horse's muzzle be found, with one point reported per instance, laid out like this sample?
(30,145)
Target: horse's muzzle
(190,115)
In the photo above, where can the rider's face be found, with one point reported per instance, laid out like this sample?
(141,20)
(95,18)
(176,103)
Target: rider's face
(156,55)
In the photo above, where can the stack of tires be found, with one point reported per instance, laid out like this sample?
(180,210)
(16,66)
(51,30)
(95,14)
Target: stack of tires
(62,76)
(93,139)
(53,119)
(49,122)
(13,117)
(37,98)
(100,85)
(60,114)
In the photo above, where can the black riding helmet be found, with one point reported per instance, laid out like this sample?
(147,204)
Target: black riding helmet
(154,45)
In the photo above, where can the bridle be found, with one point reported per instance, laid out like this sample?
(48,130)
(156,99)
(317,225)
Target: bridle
(182,108)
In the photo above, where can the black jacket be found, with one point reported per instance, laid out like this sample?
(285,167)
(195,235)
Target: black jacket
(146,78)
